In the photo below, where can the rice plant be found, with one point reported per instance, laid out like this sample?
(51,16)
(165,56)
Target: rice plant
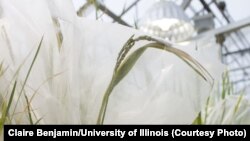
(225,106)
(6,116)
(124,65)
(126,60)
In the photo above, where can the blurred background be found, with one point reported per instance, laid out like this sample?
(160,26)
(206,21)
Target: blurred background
(182,20)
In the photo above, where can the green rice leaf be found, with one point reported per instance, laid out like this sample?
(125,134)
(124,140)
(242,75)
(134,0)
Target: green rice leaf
(1,69)
(237,105)
(37,122)
(6,112)
(123,66)
(29,71)
(29,111)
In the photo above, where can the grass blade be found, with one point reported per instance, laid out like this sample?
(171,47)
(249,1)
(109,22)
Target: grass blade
(198,120)
(121,72)
(36,123)
(237,105)
(29,111)
(29,71)
(123,66)
(1,69)
(6,112)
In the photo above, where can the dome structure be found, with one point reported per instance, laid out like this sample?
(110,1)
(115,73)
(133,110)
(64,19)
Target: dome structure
(166,19)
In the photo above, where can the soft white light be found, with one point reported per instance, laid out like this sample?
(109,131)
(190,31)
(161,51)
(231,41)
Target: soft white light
(167,20)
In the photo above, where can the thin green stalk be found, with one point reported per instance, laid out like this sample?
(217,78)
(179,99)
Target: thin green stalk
(125,64)
(36,123)
(1,69)
(6,112)
(29,111)
(223,112)
(29,71)
(103,108)
(237,105)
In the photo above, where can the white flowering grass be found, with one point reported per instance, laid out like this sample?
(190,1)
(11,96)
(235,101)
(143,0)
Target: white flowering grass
(82,73)
(225,106)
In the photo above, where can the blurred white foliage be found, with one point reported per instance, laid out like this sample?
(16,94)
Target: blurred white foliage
(234,109)
(68,81)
